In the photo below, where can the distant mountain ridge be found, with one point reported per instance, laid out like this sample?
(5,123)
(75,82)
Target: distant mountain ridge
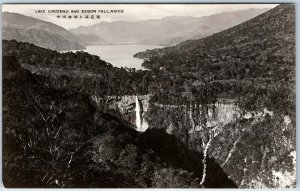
(41,33)
(273,29)
(255,61)
(166,31)
(91,39)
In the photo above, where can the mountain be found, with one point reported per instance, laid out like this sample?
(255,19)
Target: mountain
(221,108)
(91,39)
(92,147)
(249,50)
(166,31)
(41,33)
(253,64)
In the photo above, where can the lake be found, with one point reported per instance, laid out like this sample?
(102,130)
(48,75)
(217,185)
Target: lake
(120,55)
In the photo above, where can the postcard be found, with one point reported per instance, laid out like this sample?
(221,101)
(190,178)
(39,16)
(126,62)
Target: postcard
(149,96)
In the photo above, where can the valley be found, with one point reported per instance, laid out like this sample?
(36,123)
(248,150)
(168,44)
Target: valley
(216,111)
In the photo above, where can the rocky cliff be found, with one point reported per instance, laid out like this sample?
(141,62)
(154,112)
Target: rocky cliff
(259,144)
(127,107)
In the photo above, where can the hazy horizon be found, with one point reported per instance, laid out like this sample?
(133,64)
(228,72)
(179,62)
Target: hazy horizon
(132,12)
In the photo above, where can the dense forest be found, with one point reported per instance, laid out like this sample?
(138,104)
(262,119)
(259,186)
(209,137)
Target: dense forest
(254,64)
(85,73)
(58,138)
(254,61)
(55,135)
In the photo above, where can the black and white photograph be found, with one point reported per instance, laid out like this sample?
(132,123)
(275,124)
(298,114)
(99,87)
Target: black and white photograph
(148,95)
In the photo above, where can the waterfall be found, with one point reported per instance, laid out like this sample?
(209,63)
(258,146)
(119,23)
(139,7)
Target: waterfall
(138,114)
(191,118)
(206,147)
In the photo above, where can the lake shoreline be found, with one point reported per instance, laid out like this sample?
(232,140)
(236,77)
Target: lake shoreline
(121,55)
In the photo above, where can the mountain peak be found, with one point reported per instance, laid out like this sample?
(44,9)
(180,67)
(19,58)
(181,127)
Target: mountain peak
(165,31)
(45,34)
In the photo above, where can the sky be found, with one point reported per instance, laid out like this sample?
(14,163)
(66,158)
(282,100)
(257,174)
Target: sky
(131,12)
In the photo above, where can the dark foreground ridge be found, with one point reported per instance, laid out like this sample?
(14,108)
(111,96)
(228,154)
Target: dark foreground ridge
(55,138)
(60,131)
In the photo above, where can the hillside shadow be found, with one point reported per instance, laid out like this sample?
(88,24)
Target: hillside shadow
(173,153)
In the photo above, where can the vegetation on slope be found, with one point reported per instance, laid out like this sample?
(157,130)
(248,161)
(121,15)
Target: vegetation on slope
(58,138)
(41,33)
(253,63)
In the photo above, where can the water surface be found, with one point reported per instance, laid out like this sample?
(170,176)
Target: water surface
(120,55)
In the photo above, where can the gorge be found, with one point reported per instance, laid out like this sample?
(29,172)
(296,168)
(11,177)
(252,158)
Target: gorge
(217,112)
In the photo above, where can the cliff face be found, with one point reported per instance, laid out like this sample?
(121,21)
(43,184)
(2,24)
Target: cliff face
(261,148)
(126,106)
(213,116)
(219,114)
(259,144)
(55,138)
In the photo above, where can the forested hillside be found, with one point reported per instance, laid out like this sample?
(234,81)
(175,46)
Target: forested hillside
(59,138)
(44,34)
(77,71)
(255,56)
(253,65)
(220,110)
(248,50)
